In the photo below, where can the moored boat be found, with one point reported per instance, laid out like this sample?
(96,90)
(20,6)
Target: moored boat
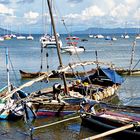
(30,37)
(69,74)
(49,41)
(101,89)
(20,37)
(1,38)
(9,109)
(72,46)
(122,71)
(100,118)
(138,36)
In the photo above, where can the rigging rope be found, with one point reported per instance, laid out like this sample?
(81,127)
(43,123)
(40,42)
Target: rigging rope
(136,64)
(41,65)
(47,55)
(13,71)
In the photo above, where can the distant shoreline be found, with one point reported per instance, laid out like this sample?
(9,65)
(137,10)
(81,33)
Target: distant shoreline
(86,31)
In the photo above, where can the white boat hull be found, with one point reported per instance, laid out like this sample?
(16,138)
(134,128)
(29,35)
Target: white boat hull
(73,49)
(21,37)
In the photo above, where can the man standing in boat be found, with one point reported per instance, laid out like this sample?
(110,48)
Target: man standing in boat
(56,91)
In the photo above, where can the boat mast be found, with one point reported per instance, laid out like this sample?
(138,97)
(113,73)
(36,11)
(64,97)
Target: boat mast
(51,20)
(97,62)
(57,44)
(7,69)
(132,55)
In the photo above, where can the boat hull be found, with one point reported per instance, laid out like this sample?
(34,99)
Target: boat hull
(103,124)
(54,109)
(68,74)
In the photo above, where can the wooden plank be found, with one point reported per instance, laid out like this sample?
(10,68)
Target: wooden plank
(110,132)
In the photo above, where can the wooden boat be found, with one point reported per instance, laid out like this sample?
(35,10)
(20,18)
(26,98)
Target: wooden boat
(55,108)
(69,74)
(135,72)
(30,74)
(102,118)
(9,109)
(100,85)
(43,104)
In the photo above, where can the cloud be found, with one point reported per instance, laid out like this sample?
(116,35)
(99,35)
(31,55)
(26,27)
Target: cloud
(75,1)
(4,1)
(25,1)
(120,11)
(85,15)
(91,12)
(31,17)
(5,10)
(137,14)
(10,20)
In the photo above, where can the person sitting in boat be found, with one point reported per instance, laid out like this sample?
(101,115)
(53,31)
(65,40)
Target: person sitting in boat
(80,87)
(56,91)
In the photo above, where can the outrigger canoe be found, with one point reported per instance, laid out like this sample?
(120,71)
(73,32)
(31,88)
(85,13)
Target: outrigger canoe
(43,104)
(102,118)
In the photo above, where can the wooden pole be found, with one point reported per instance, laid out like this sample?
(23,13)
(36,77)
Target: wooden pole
(54,123)
(110,132)
(97,62)
(57,45)
(7,68)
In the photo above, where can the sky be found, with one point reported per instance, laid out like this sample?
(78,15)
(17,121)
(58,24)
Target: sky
(32,16)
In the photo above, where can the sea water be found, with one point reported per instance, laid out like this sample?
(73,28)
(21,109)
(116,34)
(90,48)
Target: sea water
(26,55)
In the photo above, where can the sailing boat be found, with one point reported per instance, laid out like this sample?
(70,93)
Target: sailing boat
(138,35)
(48,40)
(9,110)
(126,36)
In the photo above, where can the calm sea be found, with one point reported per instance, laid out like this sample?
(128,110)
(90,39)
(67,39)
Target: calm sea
(26,55)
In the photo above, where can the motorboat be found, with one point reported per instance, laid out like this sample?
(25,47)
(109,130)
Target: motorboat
(30,37)
(1,39)
(138,36)
(72,46)
(99,36)
(21,37)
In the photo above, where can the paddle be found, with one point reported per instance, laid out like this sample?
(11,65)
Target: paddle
(112,131)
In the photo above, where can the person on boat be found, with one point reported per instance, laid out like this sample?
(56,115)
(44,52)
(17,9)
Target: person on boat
(56,91)
(89,105)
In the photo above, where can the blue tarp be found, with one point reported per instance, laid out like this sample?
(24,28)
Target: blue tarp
(107,74)
(111,74)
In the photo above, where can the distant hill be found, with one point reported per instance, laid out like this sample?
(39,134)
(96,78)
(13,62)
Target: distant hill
(5,31)
(108,31)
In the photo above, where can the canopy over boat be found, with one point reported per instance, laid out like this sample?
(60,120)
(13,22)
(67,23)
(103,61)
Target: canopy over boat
(108,73)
